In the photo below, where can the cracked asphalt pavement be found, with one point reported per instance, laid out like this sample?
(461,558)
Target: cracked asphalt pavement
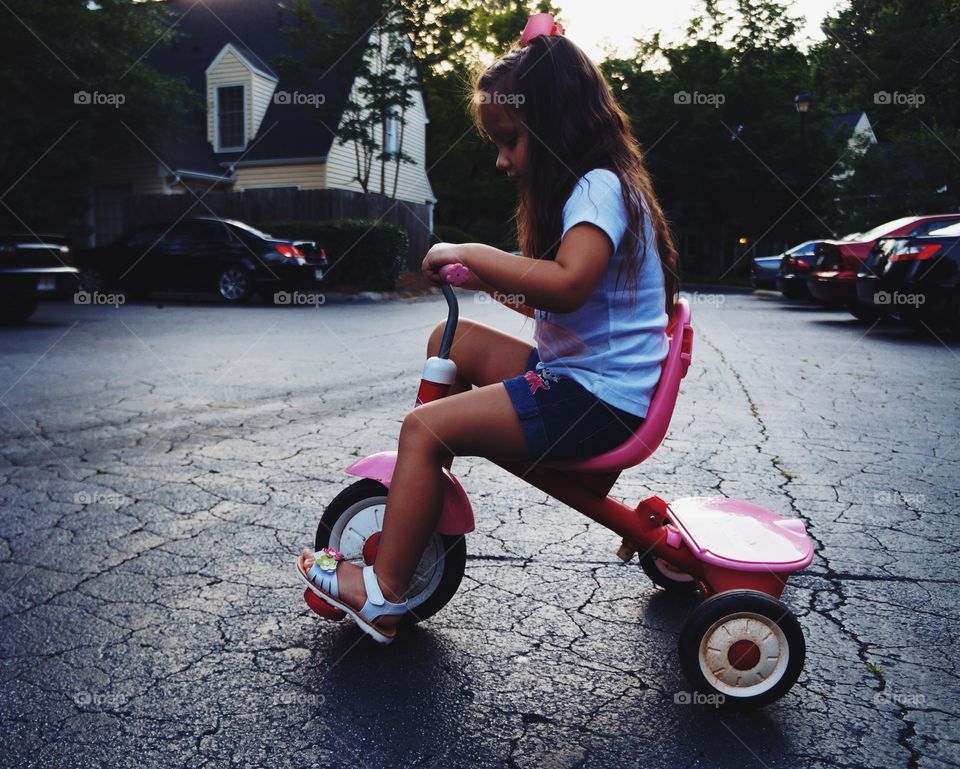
(161,467)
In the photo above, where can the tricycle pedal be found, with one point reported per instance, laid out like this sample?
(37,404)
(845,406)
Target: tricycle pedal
(627,550)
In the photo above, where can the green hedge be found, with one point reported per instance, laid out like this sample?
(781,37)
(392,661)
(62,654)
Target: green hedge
(363,254)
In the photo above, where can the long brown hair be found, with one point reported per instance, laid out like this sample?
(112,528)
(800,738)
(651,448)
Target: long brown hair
(574,125)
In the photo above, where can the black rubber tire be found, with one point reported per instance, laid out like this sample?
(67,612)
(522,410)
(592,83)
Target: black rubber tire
(795,292)
(234,284)
(650,566)
(368,492)
(92,279)
(732,606)
(17,307)
(864,313)
(951,314)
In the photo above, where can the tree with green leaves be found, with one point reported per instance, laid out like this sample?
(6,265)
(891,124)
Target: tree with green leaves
(897,60)
(76,92)
(369,43)
(715,115)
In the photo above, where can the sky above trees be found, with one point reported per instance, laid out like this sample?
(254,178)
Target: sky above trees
(598,24)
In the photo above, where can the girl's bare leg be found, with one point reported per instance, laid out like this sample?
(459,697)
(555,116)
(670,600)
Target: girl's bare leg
(481,422)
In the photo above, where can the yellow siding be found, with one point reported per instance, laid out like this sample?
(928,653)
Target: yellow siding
(260,95)
(413,184)
(306,177)
(229,71)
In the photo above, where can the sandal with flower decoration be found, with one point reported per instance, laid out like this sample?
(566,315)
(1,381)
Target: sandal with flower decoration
(321,578)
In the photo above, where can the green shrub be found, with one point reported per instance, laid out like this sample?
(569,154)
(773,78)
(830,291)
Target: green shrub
(363,254)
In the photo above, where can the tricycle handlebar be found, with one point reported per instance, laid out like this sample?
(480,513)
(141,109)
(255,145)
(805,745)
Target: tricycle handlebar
(451,275)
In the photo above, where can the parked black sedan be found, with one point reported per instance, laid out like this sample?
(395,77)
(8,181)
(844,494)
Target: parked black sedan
(30,267)
(916,279)
(204,253)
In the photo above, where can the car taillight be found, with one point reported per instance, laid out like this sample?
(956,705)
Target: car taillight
(290,251)
(797,264)
(915,253)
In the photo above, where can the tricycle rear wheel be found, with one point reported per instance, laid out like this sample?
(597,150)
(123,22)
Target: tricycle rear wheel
(742,648)
(662,574)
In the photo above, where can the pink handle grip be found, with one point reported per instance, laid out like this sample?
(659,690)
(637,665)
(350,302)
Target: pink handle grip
(454,274)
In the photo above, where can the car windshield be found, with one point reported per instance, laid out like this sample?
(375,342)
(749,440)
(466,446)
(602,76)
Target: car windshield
(883,229)
(952,231)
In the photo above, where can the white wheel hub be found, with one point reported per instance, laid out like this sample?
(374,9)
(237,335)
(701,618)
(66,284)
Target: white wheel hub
(744,654)
(668,571)
(361,521)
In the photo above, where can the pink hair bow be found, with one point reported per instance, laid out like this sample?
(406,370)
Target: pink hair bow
(539,24)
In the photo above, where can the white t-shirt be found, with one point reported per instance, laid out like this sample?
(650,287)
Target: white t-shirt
(610,345)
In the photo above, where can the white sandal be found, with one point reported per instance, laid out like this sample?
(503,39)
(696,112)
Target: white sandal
(322,580)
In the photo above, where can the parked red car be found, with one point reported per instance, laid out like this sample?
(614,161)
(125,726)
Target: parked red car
(834,278)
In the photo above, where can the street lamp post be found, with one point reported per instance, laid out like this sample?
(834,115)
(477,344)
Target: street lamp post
(802,101)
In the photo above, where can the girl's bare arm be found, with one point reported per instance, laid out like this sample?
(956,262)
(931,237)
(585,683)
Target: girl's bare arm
(561,285)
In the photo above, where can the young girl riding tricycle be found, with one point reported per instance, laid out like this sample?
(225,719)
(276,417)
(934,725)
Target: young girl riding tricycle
(593,396)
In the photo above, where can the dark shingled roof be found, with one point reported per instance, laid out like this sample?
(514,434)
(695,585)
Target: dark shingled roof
(254,27)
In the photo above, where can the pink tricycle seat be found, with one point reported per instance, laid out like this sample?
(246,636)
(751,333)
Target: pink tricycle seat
(651,431)
(734,534)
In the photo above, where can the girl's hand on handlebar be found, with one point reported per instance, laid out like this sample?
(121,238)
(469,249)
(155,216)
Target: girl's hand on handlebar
(447,253)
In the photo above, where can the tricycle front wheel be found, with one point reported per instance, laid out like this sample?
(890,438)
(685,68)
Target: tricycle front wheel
(351,524)
(742,648)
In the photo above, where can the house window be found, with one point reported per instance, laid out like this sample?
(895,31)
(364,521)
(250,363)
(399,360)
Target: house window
(231,122)
(393,132)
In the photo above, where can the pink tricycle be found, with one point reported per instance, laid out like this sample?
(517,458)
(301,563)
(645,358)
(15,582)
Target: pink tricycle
(741,647)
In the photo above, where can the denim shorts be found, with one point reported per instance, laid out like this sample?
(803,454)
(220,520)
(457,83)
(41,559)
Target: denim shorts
(563,420)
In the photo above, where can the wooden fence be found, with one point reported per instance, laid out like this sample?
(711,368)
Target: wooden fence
(256,206)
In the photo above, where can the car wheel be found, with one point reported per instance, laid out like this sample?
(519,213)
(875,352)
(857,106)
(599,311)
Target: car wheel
(951,315)
(794,291)
(17,307)
(864,313)
(92,279)
(235,284)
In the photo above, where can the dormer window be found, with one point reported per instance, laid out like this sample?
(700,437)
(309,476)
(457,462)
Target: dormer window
(393,132)
(231,128)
